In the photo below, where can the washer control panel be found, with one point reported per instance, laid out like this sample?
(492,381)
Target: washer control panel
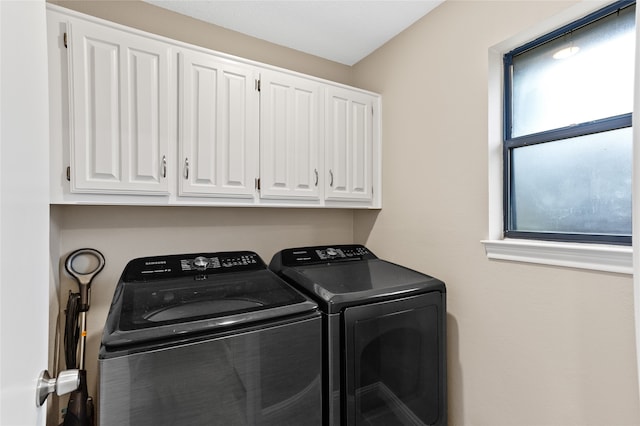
(324,254)
(203,263)
(198,265)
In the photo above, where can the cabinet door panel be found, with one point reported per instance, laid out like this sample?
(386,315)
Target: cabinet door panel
(349,145)
(120,93)
(339,145)
(305,127)
(203,125)
(144,108)
(98,138)
(236,130)
(219,127)
(361,146)
(290,125)
(279,156)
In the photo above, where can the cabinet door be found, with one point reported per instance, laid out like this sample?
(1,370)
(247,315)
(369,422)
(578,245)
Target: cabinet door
(349,145)
(218,127)
(120,89)
(290,112)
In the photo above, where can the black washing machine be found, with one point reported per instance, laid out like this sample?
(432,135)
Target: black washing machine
(384,335)
(209,339)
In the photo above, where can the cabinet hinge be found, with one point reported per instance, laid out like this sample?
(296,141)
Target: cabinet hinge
(258,85)
(69,173)
(257,184)
(64,39)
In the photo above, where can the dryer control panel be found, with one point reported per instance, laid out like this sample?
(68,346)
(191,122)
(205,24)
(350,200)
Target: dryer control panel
(325,254)
(196,264)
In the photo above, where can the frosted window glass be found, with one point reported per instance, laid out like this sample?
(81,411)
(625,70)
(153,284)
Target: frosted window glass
(579,185)
(591,84)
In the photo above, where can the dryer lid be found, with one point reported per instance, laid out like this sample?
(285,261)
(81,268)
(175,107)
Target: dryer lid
(352,276)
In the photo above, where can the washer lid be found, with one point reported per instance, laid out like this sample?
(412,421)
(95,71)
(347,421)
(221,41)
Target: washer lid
(172,305)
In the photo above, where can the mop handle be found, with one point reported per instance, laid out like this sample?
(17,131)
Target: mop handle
(84,278)
(83,339)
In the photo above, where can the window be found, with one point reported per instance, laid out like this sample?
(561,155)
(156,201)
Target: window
(567,146)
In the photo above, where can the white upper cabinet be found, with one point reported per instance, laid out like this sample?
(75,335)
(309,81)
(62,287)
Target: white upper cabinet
(349,144)
(290,134)
(119,95)
(218,126)
(140,119)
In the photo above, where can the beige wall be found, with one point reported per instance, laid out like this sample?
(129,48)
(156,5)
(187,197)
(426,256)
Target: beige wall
(146,17)
(528,345)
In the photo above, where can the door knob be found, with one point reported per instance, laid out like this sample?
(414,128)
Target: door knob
(67,381)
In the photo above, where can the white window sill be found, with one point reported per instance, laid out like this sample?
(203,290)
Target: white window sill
(597,257)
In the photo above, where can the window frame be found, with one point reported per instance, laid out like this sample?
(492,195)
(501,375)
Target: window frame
(559,134)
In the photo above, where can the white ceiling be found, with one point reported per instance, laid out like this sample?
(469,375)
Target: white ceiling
(343,31)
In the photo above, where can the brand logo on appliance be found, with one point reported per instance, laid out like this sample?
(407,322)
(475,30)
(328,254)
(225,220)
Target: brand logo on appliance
(157,262)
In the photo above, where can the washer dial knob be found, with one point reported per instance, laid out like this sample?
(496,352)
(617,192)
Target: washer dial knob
(201,262)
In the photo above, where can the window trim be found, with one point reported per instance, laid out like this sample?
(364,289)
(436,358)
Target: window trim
(595,257)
